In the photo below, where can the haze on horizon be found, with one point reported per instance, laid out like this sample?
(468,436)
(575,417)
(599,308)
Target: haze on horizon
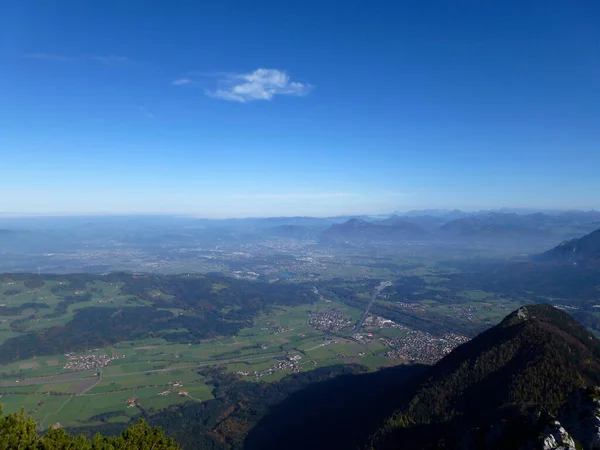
(266,109)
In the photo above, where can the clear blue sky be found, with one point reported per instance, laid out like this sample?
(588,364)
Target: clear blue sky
(251,108)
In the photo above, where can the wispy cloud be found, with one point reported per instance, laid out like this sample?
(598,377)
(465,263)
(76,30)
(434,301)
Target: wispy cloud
(294,195)
(181,81)
(50,57)
(262,84)
(110,60)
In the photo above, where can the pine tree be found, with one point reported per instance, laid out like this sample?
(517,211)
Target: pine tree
(18,432)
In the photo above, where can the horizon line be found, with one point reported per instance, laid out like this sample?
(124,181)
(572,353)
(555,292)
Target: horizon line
(508,210)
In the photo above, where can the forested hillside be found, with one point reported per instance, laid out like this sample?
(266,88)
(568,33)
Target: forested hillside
(200,301)
(537,357)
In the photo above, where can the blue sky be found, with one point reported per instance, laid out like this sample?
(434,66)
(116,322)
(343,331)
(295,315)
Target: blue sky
(239,108)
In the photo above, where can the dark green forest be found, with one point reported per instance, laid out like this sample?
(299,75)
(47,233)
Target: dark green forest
(102,326)
(538,356)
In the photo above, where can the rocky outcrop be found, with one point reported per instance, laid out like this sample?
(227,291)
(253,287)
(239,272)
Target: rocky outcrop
(555,437)
(522,313)
(581,416)
(578,424)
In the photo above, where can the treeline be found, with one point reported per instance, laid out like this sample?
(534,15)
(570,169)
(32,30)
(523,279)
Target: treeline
(197,293)
(104,326)
(18,431)
(101,327)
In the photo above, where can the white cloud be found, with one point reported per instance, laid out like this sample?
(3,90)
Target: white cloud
(111,60)
(293,195)
(181,81)
(262,84)
(49,57)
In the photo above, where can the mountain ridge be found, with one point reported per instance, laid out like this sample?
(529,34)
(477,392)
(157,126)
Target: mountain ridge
(538,355)
(360,229)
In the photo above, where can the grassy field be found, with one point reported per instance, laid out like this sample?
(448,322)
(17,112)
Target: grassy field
(155,372)
(148,367)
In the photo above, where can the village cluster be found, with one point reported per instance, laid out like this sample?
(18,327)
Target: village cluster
(330,320)
(422,346)
(88,361)
(414,346)
(290,362)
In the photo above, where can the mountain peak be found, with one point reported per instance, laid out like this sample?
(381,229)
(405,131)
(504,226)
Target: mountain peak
(356,221)
(538,355)
(537,312)
(360,230)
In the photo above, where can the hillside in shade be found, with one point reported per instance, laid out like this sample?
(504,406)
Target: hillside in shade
(501,389)
(584,249)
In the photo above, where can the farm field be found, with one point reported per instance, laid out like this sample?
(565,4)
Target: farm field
(85,350)
(117,382)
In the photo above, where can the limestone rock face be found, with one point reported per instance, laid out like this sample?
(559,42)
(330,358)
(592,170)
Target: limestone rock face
(555,437)
(581,416)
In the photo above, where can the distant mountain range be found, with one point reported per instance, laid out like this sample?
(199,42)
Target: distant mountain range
(500,225)
(507,232)
(585,249)
(456,225)
(444,214)
(525,225)
(506,388)
(362,230)
(426,222)
(294,231)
